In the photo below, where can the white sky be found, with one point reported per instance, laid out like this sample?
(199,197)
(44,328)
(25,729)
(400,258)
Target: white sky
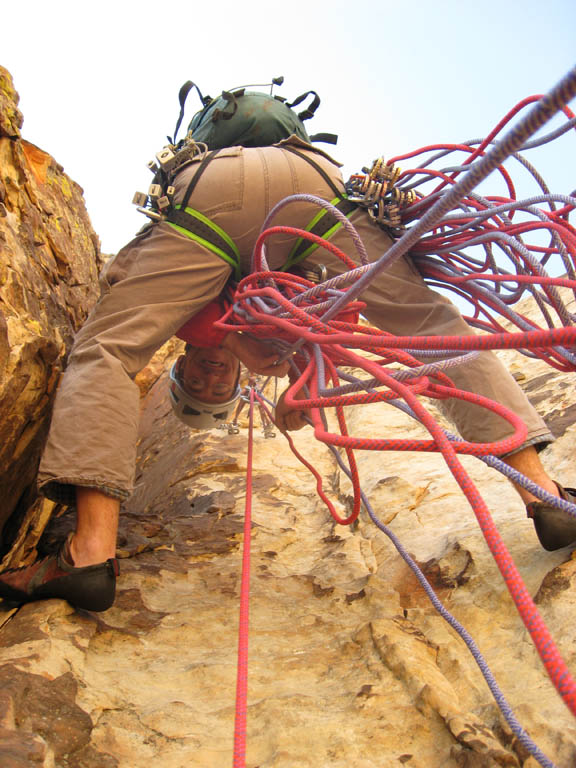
(98,82)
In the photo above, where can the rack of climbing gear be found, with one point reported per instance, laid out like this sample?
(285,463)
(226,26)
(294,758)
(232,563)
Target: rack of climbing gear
(376,191)
(158,201)
(303,317)
(233,427)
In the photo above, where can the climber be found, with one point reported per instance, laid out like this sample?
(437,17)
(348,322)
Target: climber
(203,230)
(204,393)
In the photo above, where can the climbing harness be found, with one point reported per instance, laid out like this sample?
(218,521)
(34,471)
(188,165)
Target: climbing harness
(237,117)
(195,225)
(303,317)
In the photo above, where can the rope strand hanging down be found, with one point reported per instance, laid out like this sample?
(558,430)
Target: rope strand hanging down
(303,317)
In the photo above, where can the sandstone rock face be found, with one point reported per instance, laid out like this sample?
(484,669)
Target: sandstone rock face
(49,263)
(350,665)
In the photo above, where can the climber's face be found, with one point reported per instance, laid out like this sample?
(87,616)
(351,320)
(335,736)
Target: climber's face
(209,374)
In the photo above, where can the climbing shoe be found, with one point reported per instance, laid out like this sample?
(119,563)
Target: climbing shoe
(554,527)
(92,587)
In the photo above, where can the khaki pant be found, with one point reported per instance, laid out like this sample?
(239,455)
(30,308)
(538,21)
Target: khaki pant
(162,278)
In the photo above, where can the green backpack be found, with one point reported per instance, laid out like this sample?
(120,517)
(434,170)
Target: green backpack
(248,118)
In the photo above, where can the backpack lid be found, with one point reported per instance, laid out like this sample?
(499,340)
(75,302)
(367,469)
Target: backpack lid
(247,119)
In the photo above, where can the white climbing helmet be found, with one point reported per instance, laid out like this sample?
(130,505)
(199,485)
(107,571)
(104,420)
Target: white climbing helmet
(195,413)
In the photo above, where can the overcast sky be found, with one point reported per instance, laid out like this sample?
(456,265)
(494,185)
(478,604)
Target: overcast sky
(98,82)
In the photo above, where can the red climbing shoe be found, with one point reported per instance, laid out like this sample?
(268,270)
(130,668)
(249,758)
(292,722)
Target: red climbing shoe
(554,527)
(92,587)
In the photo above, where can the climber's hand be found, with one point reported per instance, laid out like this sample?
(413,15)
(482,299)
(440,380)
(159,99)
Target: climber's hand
(289,419)
(258,356)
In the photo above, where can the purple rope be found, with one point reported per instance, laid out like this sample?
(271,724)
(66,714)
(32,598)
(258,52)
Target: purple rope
(542,111)
(481,662)
(510,144)
(356,239)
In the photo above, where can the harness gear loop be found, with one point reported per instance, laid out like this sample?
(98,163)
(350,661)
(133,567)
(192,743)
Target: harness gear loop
(375,191)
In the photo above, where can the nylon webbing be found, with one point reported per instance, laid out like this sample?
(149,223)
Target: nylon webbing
(324,224)
(337,193)
(192,186)
(198,227)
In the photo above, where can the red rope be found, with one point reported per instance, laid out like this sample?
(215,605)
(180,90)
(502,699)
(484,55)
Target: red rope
(336,340)
(473,152)
(244,620)
(324,345)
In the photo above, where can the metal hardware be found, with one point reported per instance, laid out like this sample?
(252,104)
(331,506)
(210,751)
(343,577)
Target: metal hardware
(151,214)
(139,198)
(233,428)
(375,191)
(316,274)
(165,156)
(267,426)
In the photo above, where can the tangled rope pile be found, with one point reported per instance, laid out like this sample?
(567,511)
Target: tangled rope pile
(477,247)
(492,229)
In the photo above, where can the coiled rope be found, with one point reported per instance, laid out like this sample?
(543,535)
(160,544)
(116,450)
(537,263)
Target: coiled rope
(303,318)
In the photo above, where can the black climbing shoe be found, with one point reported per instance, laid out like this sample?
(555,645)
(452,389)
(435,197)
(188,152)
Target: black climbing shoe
(554,527)
(92,587)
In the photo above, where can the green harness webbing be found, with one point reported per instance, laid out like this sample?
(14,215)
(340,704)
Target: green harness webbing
(204,231)
(200,228)
(324,224)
